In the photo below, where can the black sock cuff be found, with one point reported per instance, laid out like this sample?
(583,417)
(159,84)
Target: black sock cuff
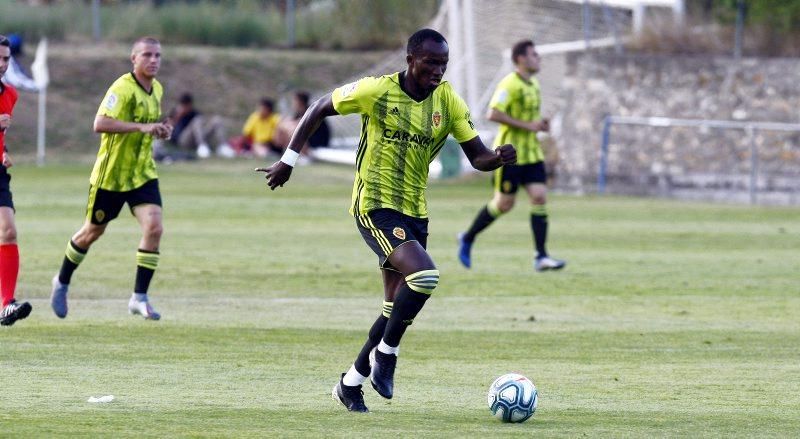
(76,248)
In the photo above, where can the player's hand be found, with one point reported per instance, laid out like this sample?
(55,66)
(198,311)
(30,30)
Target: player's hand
(162,130)
(540,125)
(277,174)
(507,154)
(5,121)
(158,130)
(7,160)
(168,130)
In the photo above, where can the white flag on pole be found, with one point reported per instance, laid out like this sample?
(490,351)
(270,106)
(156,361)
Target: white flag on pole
(39,67)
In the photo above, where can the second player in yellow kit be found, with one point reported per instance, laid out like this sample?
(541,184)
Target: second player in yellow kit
(515,106)
(124,172)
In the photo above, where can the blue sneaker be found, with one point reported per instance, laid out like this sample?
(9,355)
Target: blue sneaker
(464,249)
(58,298)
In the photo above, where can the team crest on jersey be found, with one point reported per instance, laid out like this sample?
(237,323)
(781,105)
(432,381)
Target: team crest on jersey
(111,101)
(436,119)
(399,233)
(502,96)
(99,215)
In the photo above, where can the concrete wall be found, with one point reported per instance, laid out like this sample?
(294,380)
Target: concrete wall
(681,162)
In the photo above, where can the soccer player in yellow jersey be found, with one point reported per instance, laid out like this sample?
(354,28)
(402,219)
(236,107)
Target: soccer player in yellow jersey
(406,117)
(515,106)
(128,119)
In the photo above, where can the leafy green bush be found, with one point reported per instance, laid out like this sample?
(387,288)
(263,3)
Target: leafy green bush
(781,15)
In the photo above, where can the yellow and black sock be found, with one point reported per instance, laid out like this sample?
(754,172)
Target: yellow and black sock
(539,228)
(146,264)
(408,302)
(484,219)
(73,257)
(375,334)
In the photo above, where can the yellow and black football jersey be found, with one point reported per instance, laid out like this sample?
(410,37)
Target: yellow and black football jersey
(125,160)
(521,100)
(399,139)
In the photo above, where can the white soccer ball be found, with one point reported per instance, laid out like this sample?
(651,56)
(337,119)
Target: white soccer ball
(513,398)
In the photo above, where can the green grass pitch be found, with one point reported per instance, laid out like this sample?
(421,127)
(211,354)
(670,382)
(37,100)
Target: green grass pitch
(672,319)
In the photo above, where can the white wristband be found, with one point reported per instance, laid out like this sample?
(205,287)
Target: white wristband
(290,157)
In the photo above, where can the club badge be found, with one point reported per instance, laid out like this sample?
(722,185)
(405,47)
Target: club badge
(111,102)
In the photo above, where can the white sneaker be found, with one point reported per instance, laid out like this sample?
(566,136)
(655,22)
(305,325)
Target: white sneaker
(142,308)
(203,151)
(548,263)
(226,151)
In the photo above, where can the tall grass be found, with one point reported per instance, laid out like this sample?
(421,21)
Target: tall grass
(202,23)
(325,24)
(33,22)
(697,37)
(362,24)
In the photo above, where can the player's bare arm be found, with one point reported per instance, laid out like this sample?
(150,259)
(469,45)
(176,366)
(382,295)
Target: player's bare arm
(484,159)
(498,116)
(105,124)
(280,171)
(5,121)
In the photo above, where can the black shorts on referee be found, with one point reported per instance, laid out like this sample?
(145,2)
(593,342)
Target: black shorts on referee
(507,179)
(105,205)
(5,188)
(386,229)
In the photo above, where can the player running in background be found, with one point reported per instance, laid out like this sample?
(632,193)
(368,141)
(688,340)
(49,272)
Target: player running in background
(11,310)
(515,106)
(406,117)
(124,173)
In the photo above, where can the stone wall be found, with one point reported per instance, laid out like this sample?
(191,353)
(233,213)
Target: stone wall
(681,162)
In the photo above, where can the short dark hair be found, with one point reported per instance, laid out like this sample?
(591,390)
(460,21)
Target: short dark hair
(520,48)
(267,102)
(303,96)
(4,41)
(186,99)
(419,37)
